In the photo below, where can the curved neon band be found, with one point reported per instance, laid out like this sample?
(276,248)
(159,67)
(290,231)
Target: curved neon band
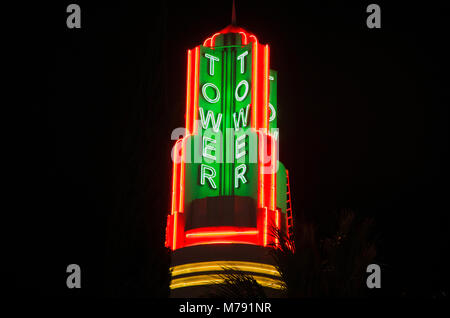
(219,266)
(216,279)
(244,36)
(213,39)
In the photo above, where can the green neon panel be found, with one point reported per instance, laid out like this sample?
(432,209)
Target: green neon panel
(273,76)
(228,73)
(281,187)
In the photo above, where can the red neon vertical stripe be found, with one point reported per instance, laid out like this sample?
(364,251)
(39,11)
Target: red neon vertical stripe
(262,149)
(274,174)
(175,231)
(182,181)
(174,178)
(266,85)
(265,226)
(175,181)
(196,80)
(254,84)
(277,224)
(243,38)
(188,93)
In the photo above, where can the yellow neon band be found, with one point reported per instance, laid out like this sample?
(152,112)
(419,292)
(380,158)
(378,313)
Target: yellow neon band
(219,266)
(216,279)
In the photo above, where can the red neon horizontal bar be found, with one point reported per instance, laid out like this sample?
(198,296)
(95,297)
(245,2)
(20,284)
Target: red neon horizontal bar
(222,235)
(221,242)
(221,231)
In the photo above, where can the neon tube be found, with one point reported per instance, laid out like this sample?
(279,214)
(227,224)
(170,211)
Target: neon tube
(277,224)
(220,265)
(254,83)
(196,80)
(188,93)
(174,240)
(175,176)
(221,235)
(204,43)
(217,279)
(273,202)
(262,149)
(244,37)
(227,233)
(266,85)
(213,38)
(265,227)
(213,242)
(183,160)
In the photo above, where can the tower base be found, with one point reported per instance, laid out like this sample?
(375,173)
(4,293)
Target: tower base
(196,270)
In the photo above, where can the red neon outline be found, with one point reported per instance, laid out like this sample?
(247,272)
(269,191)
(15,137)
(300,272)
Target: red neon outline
(230,29)
(274,173)
(188,93)
(244,35)
(265,227)
(196,83)
(277,224)
(221,242)
(204,43)
(175,175)
(262,146)
(213,235)
(213,39)
(266,85)
(182,177)
(254,83)
(237,236)
(168,232)
(175,231)
(220,234)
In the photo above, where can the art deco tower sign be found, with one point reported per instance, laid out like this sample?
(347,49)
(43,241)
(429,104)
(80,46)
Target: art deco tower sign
(229,189)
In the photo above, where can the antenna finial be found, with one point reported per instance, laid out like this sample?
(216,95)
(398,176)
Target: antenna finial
(233,15)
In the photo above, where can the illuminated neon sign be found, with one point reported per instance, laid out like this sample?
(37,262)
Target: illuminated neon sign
(228,185)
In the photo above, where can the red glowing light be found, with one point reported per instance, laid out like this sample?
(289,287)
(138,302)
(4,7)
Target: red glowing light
(244,38)
(196,79)
(175,180)
(229,234)
(188,91)
(267,214)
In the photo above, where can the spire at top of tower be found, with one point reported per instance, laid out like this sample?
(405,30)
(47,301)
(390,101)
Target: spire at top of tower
(233,15)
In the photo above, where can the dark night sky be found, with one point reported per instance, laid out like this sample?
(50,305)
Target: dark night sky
(362,121)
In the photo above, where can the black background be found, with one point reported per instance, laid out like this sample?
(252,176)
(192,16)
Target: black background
(363,124)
